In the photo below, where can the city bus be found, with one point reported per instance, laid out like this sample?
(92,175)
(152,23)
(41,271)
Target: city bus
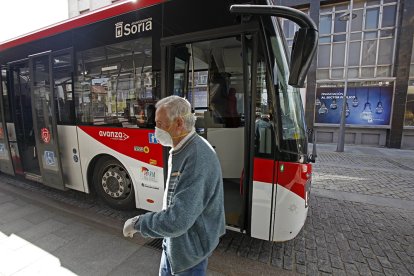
(78,104)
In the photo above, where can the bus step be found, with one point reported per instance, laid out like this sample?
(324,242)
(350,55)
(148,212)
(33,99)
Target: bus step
(33,177)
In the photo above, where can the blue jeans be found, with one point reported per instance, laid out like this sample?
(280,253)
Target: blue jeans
(198,270)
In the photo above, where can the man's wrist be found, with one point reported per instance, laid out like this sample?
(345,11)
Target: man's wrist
(135,221)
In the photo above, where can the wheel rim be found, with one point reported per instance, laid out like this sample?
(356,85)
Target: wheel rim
(116,182)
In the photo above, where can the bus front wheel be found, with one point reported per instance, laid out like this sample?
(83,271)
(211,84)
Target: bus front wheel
(113,184)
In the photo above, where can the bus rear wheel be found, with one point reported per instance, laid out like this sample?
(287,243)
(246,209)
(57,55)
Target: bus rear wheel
(113,184)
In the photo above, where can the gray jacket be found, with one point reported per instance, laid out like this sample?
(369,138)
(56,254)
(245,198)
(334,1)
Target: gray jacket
(194,218)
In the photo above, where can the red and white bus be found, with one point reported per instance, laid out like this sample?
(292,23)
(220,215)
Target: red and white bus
(77,105)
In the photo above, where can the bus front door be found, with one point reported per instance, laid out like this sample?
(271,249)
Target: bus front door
(6,164)
(44,120)
(214,75)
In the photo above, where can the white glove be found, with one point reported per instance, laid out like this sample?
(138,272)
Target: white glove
(129,229)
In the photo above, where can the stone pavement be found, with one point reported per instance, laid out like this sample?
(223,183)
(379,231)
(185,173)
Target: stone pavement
(361,222)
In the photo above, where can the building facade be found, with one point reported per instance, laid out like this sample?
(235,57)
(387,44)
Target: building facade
(372,56)
(365,55)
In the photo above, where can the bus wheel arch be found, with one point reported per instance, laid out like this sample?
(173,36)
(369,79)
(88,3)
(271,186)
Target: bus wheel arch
(112,182)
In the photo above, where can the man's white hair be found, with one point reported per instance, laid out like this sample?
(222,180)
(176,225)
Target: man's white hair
(176,106)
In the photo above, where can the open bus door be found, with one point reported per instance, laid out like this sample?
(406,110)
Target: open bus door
(6,164)
(215,71)
(44,120)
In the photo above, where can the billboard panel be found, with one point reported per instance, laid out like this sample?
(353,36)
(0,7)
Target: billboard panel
(365,105)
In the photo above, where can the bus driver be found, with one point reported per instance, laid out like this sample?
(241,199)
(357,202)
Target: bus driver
(192,218)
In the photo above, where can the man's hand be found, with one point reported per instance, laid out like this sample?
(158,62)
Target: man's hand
(129,229)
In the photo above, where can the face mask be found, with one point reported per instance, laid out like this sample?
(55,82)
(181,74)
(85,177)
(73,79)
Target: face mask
(163,137)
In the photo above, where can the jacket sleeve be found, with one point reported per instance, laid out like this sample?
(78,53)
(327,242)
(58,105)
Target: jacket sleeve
(191,197)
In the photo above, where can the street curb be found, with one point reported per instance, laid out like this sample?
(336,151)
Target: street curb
(367,199)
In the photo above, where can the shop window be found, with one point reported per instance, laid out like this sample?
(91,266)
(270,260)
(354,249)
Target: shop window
(409,109)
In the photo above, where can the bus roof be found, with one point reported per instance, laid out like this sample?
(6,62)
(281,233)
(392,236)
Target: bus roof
(79,21)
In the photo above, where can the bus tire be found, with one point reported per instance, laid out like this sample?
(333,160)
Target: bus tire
(113,184)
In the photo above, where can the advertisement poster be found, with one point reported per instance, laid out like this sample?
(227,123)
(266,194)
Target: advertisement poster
(365,105)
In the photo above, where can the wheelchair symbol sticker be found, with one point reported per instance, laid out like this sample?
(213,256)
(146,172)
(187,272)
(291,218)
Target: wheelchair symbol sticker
(50,158)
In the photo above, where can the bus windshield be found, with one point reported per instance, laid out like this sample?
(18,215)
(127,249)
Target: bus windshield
(293,126)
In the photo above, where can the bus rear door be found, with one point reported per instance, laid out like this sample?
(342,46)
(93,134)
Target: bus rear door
(44,120)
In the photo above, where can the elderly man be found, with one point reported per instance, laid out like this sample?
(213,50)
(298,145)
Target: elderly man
(192,219)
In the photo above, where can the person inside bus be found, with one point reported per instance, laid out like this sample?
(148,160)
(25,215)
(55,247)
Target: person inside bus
(192,218)
(151,116)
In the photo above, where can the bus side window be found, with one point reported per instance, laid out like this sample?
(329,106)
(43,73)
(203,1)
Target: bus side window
(118,86)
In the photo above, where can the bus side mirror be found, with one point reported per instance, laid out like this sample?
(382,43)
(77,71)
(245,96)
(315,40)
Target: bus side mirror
(303,49)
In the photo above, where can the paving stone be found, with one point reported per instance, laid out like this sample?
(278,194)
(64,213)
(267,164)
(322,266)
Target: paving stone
(392,256)
(377,250)
(324,266)
(374,265)
(311,256)
(384,262)
(336,262)
(312,269)
(367,252)
(400,269)
(300,258)
(351,269)
(363,269)
(301,269)
(338,272)
(389,272)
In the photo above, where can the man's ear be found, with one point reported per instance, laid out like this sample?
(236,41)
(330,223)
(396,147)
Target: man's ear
(180,122)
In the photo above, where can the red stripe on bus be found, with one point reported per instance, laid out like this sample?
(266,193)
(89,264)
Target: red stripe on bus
(79,21)
(263,170)
(292,176)
(139,144)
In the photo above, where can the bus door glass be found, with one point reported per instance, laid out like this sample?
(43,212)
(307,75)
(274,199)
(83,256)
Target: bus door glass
(211,75)
(6,165)
(44,120)
(21,135)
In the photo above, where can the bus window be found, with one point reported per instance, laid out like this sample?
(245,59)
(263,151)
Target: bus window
(62,84)
(209,74)
(293,127)
(115,85)
(264,123)
(6,100)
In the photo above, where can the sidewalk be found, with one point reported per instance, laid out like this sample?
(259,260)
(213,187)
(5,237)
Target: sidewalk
(367,150)
(43,236)
(39,239)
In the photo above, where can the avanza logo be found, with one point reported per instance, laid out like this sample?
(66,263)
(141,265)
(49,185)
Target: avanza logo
(139,26)
(114,135)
